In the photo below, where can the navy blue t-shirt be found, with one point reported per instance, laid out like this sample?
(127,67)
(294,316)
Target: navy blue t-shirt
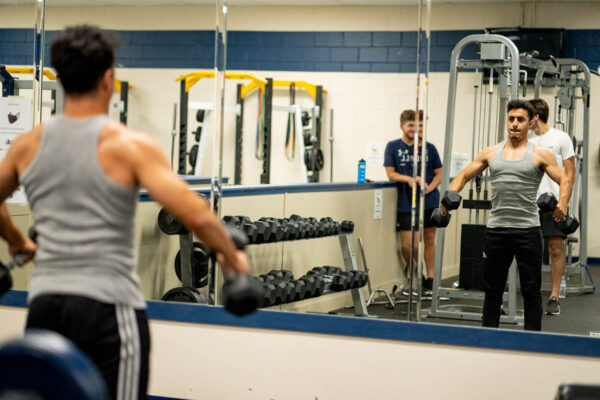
(400,156)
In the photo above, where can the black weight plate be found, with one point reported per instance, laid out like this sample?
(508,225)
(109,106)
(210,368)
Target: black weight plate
(199,264)
(169,224)
(184,295)
(193,155)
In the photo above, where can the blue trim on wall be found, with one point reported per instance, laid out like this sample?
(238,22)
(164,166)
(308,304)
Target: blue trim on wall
(365,327)
(338,51)
(237,191)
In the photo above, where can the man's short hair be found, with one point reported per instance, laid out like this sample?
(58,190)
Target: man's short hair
(410,115)
(541,108)
(518,103)
(81,54)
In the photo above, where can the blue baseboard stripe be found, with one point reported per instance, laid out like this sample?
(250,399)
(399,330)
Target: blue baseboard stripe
(366,328)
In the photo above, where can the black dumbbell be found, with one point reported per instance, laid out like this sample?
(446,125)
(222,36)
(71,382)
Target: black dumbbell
(169,224)
(281,275)
(440,219)
(270,295)
(339,283)
(347,227)
(242,294)
(332,270)
(277,232)
(314,285)
(292,230)
(232,220)
(364,278)
(326,227)
(266,278)
(451,200)
(184,295)
(300,290)
(337,227)
(250,230)
(547,203)
(17,261)
(284,292)
(263,231)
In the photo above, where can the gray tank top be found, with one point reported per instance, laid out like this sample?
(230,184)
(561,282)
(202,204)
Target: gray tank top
(514,188)
(84,220)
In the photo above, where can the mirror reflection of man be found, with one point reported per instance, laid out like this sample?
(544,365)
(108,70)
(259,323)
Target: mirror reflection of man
(561,146)
(398,165)
(513,229)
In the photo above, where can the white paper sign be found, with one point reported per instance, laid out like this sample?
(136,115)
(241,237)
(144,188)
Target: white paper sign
(375,153)
(458,163)
(378,204)
(15,118)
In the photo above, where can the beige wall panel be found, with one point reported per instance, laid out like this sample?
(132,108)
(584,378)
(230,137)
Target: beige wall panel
(450,16)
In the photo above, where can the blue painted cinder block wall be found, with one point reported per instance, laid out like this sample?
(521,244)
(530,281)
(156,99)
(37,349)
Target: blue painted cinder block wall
(287,51)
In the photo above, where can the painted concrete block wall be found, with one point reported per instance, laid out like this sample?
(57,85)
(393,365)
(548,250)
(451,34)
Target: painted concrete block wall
(335,40)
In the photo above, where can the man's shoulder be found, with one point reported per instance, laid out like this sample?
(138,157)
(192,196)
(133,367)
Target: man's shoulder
(396,143)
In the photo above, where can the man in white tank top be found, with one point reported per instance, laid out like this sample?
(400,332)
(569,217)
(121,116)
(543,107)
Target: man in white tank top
(561,146)
(112,331)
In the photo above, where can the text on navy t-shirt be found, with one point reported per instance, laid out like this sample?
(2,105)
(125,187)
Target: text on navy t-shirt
(400,156)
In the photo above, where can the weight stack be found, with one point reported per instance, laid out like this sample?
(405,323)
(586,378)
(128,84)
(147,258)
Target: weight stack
(471,257)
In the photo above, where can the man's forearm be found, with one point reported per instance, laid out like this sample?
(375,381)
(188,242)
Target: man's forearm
(435,182)
(8,230)
(564,191)
(397,177)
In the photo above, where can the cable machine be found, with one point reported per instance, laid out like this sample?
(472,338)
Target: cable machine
(499,59)
(12,85)
(571,79)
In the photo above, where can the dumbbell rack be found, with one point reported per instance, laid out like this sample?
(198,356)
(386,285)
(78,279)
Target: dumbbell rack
(186,243)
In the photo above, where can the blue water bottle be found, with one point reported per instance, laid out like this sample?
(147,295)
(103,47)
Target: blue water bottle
(362,170)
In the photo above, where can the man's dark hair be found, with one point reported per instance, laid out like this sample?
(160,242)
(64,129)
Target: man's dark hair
(410,115)
(514,104)
(541,108)
(81,54)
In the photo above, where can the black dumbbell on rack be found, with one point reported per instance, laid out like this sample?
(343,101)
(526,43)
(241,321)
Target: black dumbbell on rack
(547,203)
(451,201)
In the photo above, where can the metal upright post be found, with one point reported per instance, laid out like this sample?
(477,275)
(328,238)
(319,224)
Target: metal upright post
(358,297)
(124,101)
(239,137)
(183,119)
(265,177)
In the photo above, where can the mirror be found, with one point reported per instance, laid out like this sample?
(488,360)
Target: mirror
(337,73)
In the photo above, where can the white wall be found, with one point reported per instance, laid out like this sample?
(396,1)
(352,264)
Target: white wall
(201,361)
(366,106)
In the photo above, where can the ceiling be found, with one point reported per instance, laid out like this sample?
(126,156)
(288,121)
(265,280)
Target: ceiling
(258,2)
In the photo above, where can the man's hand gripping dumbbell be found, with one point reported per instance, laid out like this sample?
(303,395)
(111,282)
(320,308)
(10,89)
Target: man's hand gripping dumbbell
(450,201)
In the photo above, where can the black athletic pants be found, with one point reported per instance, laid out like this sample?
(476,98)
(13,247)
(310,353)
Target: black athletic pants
(501,246)
(115,337)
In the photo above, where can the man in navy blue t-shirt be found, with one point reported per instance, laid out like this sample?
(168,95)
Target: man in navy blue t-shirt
(398,165)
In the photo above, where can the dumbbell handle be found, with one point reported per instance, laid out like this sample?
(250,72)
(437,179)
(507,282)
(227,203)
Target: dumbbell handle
(19,259)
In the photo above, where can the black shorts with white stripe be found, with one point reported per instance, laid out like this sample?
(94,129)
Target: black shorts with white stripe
(115,337)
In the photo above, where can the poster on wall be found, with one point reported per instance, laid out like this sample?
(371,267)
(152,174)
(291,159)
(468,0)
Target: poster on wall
(15,118)
(375,153)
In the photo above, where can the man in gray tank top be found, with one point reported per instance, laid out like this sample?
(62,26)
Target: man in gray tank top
(513,230)
(81,173)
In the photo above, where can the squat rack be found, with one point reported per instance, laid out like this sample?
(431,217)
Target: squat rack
(187,82)
(570,75)
(500,54)
(316,91)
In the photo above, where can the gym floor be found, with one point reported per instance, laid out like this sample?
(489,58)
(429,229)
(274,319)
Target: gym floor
(579,314)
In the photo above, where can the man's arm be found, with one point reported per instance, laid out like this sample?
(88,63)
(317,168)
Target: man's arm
(570,171)
(435,182)
(9,182)
(548,163)
(475,168)
(154,173)
(397,177)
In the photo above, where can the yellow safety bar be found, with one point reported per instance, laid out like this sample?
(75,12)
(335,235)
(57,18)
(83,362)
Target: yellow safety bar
(29,70)
(118,85)
(50,75)
(192,78)
(309,87)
